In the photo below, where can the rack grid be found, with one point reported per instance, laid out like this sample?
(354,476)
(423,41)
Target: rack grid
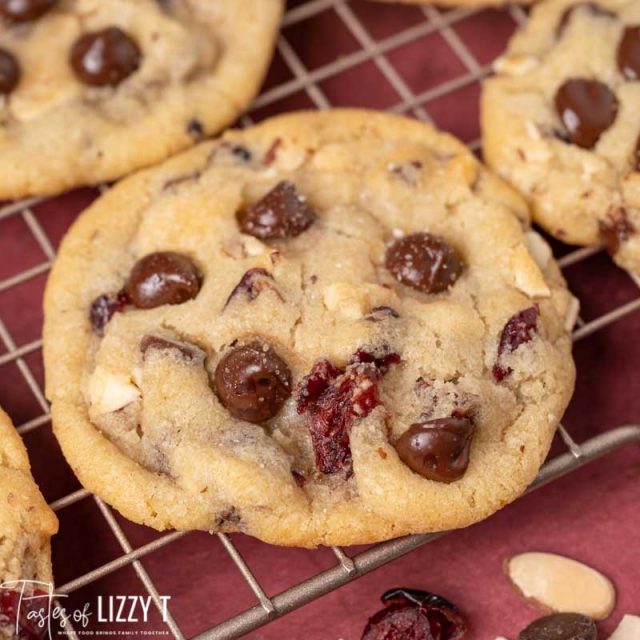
(305,84)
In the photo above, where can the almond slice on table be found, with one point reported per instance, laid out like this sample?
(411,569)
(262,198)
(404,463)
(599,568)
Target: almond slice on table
(628,629)
(561,584)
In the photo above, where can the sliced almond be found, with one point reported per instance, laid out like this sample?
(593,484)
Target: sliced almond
(561,584)
(628,629)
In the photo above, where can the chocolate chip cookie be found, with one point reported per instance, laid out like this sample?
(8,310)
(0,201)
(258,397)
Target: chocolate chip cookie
(91,90)
(559,122)
(332,328)
(26,522)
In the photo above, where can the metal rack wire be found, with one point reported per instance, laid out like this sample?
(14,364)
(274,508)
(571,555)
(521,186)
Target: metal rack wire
(308,81)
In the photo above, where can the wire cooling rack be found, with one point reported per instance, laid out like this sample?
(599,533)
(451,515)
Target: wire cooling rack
(381,50)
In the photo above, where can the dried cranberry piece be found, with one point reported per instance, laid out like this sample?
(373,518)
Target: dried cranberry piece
(629,53)
(9,72)
(616,230)
(14,612)
(520,329)
(252,284)
(282,213)
(412,613)
(103,309)
(335,398)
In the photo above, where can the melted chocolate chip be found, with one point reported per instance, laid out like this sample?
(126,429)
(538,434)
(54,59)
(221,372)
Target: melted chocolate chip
(252,382)
(615,230)
(9,72)
(162,278)
(252,284)
(188,352)
(424,262)
(282,213)
(561,626)
(437,449)
(592,7)
(105,58)
(587,109)
(24,10)
(629,53)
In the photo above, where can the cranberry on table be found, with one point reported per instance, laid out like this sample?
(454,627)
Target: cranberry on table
(282,213)
(629,53)
(437,449)
(424,262)
(413,614)
(9,72)
(24,10)
(253,382)
(105,58)
(561,626)
(162,278)
(587,108)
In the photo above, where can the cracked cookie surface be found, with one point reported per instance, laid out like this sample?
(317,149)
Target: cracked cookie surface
(559,123)
(26,521)
(91,90)
(294,331)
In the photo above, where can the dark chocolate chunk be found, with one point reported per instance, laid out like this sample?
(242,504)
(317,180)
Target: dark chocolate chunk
(587,108)
(437,449)
(424,262)
(561,626)
(162,278)
(188,352)
(253,382)
(9,72)
(24,10)
(104,58)
(629,53)
(282,213)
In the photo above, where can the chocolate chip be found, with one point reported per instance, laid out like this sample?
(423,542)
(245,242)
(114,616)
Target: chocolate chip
(593,8)
(378,314)
(104,58)
(241,153)
(252,284)
(9,72)
(162,278)
(195,129)
(561,626)
(629,53)
(636,155)
(282,213)
(615,230)
(253,382)
(437,449)
(520,329)
(587,108)
(24,10)
(424,262)
(189,352)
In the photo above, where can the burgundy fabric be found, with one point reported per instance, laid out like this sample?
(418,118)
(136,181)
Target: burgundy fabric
(592,514)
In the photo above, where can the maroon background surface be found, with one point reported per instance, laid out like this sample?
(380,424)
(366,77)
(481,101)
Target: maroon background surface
(426,63)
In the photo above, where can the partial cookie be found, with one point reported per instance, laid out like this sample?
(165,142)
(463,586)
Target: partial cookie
(26,527)
(332,328)
(559,122)
(457,3)
(91,90)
